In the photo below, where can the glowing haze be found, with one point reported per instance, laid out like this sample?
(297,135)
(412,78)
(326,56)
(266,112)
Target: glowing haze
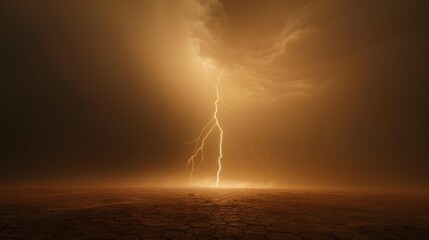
(220,92)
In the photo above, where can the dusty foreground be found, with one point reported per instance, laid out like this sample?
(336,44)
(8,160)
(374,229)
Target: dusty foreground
(210,214)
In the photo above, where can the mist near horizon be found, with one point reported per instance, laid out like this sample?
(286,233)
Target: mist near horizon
(312,93)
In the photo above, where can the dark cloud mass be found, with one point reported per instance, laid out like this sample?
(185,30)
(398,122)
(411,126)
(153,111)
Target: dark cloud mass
(314,93)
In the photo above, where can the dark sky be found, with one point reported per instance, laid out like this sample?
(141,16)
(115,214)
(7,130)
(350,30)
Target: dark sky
(315,93)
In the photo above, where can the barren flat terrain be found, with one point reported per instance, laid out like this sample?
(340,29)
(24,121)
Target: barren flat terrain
(132,214)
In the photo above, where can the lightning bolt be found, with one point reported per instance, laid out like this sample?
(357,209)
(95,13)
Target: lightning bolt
(219,160)
(206,132)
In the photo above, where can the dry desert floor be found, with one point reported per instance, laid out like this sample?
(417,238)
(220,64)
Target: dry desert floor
(133,214)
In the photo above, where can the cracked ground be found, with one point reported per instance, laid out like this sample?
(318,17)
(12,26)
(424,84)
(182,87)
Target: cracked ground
(132,214)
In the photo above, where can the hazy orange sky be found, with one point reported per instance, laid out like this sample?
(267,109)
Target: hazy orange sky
(313,93)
